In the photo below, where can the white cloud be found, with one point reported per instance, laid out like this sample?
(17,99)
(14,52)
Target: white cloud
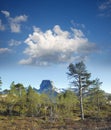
(15,27)
(79,25)
(4,50)
(26,61)
(105,8)
(55,46)
(6,13)
(13,42)
(105,5)
(18,19)
(15,23)
(2,27)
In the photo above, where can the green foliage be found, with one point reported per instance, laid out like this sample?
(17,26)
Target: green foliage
(0,83)
(9,101)
(17,89)
(96,100)
(80,80)
(67,103)
(27,102)
(79,75)
(32,101)
(109,97)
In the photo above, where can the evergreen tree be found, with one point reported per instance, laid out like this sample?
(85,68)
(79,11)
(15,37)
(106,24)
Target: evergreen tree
(67,102)
(32,101)
(0,83)
(17,89)
(81,80)
(97,99)
(46,105)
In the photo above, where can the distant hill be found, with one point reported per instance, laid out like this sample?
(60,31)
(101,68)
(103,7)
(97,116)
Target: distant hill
(47,87)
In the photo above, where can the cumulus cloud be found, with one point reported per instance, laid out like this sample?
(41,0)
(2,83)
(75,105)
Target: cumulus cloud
(2,27)
(13,42)
(15,23)
(4,50)
(55,46)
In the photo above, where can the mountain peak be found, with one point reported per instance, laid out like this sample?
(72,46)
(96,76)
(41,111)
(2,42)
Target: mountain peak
(46,86)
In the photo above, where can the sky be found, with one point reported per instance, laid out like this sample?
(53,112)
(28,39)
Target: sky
(40,38)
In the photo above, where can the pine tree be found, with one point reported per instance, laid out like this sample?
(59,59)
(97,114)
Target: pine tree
(0,83)
(97,98)
(81,80)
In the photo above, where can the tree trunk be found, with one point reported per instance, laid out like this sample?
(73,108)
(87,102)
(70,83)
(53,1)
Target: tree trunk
(81,105)
(98,111)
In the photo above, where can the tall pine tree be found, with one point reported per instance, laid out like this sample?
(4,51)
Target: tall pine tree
(81,80)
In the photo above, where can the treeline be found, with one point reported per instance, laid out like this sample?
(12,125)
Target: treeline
(23,101)
(89,102)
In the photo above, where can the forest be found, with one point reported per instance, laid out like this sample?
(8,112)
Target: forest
(87,106)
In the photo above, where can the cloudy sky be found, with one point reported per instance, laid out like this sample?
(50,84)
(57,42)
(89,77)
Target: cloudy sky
(39,38)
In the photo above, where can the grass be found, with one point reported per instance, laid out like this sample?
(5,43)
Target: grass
(34,123)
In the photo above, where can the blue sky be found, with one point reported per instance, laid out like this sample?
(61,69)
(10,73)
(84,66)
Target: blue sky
(39,38)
